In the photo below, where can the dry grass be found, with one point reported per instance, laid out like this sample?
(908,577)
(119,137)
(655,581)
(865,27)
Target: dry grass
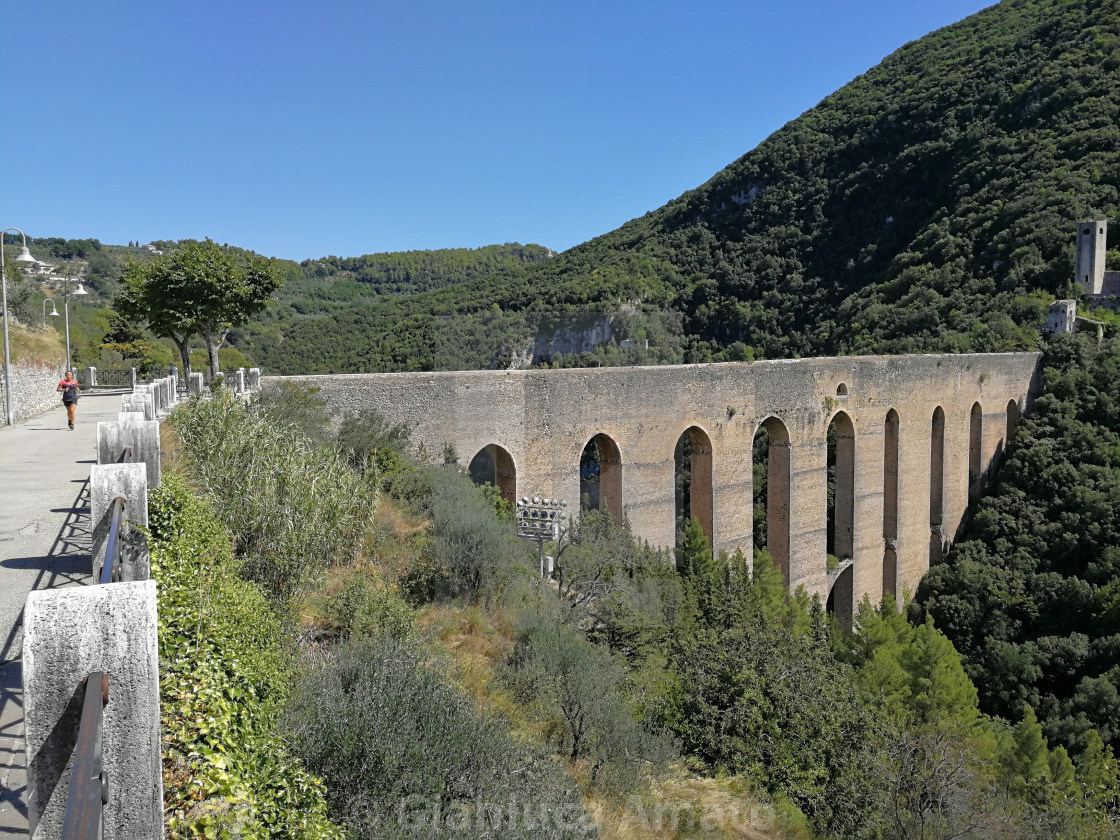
(396,538)
(476,641)
(678,805)
(35,346)
(682,805)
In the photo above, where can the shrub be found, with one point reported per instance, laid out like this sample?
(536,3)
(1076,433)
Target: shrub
(223,682)
(470,551)
(293,509)
(290,405)
(576,688)
(368,437)
(404,754)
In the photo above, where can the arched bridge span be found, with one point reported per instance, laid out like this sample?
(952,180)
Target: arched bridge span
(917,437)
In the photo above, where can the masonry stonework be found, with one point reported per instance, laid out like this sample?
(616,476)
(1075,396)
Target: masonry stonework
(544,418)
(33,389)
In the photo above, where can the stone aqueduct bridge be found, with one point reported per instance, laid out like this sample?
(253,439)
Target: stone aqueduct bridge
(916,438)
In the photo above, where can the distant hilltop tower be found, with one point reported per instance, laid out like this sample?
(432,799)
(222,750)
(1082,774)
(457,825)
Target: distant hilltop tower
(1090,261)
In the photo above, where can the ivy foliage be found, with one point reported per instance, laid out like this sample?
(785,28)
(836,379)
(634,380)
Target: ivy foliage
(223,683)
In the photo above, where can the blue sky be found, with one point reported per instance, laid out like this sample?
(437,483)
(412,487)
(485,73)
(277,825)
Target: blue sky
(304,129)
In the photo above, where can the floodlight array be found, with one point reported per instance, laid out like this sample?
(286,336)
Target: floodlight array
(540,518)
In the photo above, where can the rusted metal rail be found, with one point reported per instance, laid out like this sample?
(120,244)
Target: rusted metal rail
(88,786)
(85,804)
(111,570)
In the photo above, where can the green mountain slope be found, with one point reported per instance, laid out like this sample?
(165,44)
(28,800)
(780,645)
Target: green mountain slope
(912,210)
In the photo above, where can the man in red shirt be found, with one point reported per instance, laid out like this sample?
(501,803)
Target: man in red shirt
(68,387)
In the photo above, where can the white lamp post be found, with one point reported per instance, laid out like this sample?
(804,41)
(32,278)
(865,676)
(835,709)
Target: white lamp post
(24,257)
(54,309)
(66,293)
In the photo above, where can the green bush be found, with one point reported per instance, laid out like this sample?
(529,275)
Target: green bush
(576,687)
(364,608)
(290,405)
(404,754)
(367,438)
(223,683)
(293,509)
(470,551)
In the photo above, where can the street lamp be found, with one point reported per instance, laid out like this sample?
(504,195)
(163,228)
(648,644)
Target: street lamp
(24,257)
(54,309)
(66,294)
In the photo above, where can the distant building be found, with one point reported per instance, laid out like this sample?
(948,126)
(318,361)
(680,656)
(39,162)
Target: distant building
(1062,316)
(150,248)
(1089,263)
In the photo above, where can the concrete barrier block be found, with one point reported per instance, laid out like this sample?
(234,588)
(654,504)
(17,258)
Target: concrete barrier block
(195,384)
(143,437)
(106,483)
(140,401)
(130,417)
(160,394)
(68,633)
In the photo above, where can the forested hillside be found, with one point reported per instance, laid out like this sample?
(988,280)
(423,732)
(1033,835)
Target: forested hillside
(1031,596)
(913,210)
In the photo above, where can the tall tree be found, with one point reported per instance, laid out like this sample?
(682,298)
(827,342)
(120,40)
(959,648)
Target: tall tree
(148,295)
(199,288)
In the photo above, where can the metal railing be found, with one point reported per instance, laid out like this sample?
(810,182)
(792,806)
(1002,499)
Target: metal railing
(121,377)
(111,570)
(109,378)
(85,804)
(88,785)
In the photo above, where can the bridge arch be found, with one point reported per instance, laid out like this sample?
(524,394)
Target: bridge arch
(1012,420)
(771,469)
(936,485)
(975,452)
(494,465)
(890,503)
(692,479)
(600,476)
(840,601)
(840,514)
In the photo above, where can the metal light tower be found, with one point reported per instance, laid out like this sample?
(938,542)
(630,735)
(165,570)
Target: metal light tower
(541,520)
(24,257)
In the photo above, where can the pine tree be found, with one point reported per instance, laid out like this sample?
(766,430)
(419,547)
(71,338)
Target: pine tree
(1097,773)
(768,587)
(1026,759)
(694,557)
(1062,773)
(939,687)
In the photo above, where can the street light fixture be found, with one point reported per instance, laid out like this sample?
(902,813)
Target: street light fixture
(66,294)
(24,257)
(54,309)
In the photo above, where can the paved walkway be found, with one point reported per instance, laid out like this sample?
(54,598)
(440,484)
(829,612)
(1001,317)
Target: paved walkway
(44,543)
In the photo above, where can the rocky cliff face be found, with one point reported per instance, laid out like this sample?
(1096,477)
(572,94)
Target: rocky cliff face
(579,333)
